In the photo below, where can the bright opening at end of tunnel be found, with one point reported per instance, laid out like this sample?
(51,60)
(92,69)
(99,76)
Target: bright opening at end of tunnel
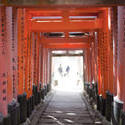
(67,73)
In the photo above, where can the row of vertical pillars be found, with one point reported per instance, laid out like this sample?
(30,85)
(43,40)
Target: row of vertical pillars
(26,64)
(24,68)
(104,66)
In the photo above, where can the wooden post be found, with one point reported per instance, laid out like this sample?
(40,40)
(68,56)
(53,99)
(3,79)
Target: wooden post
(121,56)
(3,64)
(20,18)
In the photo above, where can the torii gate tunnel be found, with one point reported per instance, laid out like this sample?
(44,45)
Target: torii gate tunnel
(30,31)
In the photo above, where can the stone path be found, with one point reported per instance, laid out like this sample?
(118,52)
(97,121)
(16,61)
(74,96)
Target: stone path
(66,108)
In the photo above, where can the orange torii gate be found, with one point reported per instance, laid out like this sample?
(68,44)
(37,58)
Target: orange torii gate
(64,23)
(34,52)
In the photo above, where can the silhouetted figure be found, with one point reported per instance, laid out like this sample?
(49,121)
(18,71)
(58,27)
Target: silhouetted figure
(67,69)
(60,69)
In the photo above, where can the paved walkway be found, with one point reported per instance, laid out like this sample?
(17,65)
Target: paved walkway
(66,108)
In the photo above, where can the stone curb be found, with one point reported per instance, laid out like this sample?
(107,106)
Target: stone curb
(96,115)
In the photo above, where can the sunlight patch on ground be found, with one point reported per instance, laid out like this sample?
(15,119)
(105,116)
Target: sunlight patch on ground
(55,119)
(58,112)
(69,121)
(71,114)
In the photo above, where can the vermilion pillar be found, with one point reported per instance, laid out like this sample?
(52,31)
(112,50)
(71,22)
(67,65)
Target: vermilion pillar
(36,50)
(40,64)
(34,58)
(120,48)
(28,82)
(115,47)
(91,59)
(99,60)
(90,66)
(9,53)
(20,19)
(38,58)
(42,67)
(45,66)
(110,51)
(121,56)
(15,51)
(31,65)
(49,66)
(95,58)
(105,54)
(28,55)
(3,64)
(86,67)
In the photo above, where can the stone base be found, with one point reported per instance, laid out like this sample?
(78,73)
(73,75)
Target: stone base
(23,107)
(7,120)
(109,101)
(117,111)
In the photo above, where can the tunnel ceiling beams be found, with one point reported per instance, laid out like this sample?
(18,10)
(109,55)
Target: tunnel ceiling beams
(67,45)
(67,53)
(65,21)
(65,40)
(60,12)
(71,12)
(58,55)
(45,13)
(63,3)
(72,20)
(73,26)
